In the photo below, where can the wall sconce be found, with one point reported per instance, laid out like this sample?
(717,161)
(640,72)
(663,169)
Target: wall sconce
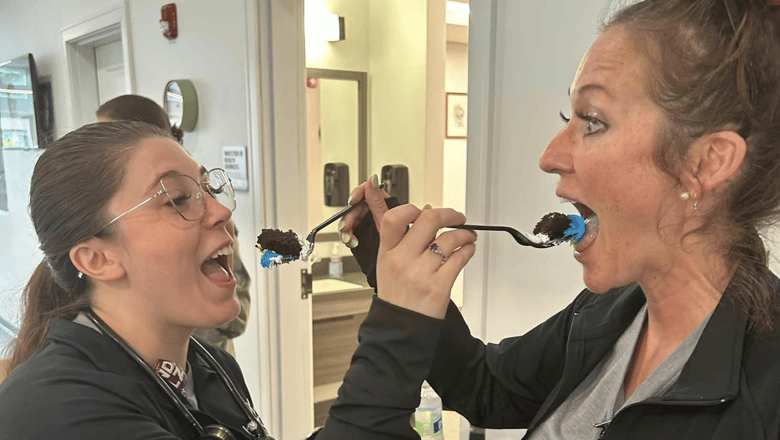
(325,27)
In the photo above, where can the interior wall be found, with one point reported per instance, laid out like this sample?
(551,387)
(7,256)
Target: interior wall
(402,47)
(211,51)
(397,66)
(454,153)
(352,52)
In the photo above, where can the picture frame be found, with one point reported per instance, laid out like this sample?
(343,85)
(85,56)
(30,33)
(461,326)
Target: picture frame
(456,118)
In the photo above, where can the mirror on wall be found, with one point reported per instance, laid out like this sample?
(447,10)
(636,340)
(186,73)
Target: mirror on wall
(180,101)
(337,139)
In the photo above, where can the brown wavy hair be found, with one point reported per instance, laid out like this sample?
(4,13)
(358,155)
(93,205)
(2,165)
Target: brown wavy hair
(708,75)
(72,184)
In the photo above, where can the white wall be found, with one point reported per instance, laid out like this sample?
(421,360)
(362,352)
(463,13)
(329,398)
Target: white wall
(211,51)
(454,154)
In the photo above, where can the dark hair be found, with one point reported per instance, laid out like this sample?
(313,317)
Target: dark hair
(707,76)
(138,108)
(72,184)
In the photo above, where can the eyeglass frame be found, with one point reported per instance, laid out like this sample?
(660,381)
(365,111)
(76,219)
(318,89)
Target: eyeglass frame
(162,191)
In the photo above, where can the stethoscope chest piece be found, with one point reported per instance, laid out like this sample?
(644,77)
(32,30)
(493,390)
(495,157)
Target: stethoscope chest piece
(216,432)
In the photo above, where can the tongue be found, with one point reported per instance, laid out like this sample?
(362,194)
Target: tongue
(214,270)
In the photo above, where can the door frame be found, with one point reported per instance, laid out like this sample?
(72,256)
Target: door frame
(285,342)
(78,42)
(287,392)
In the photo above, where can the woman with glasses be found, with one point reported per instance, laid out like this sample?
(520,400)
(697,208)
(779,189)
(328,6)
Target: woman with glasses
(136,257)
(140,108)
(672,151)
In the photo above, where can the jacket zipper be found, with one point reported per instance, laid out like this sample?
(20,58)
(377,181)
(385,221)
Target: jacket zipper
(606,425)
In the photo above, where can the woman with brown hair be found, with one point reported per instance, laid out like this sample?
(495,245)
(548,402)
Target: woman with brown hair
(672,153)
(140,108)
(137,255)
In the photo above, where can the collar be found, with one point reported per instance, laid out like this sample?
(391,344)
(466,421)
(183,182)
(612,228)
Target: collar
(106,355)
(712,371)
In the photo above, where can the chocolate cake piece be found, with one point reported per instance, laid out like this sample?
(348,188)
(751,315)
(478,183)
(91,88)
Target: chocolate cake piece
(553,225)
(280,242)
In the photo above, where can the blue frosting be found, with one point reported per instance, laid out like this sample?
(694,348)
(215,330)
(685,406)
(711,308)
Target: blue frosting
(576,229)
(266,260)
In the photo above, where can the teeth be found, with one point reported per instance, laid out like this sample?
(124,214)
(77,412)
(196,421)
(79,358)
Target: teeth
(227,250)
(565,200)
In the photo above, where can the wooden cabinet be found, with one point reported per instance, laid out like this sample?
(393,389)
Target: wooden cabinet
(339,306)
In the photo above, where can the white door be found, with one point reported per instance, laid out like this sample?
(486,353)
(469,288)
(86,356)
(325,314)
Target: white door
(98,58)
(110,69)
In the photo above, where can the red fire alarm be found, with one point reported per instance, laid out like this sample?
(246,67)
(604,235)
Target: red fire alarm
(311,82)
(168,24)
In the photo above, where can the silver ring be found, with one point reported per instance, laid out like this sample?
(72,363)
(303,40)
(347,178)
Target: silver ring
(434,247)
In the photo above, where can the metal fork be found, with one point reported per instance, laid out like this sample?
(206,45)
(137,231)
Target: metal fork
(333,218)
(518,236)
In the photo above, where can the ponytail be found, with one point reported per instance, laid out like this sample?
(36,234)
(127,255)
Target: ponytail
(44,300)
(70,190)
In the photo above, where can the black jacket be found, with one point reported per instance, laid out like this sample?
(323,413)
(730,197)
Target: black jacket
(82,385)
(728,389)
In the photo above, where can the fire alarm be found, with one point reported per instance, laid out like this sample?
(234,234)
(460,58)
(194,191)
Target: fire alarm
(311,82)
(168,24)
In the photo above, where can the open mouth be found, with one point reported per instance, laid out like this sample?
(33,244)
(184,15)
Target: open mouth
(217,267)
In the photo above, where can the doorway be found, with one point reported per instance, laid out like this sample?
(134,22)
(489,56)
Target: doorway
(99,62)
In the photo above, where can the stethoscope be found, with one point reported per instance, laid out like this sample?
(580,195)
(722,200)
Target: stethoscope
(254,428)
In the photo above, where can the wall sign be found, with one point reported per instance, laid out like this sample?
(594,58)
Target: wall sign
(235,163)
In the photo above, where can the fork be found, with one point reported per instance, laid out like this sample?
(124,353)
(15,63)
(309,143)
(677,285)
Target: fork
(518,236)
(333,218)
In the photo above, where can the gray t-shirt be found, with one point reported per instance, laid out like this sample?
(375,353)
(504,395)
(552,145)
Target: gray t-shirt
(600,396)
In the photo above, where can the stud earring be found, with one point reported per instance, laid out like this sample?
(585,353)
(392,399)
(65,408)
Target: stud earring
(685,196)
(81,275)
(695,205)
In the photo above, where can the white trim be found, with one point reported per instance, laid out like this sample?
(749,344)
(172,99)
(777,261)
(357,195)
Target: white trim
(111,24)
(260,384)
(480,160)
(281,181)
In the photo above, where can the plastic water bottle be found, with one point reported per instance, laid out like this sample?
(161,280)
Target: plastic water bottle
(427,417)
(336,267)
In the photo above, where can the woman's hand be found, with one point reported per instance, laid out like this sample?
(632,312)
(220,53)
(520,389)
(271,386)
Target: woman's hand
(375,199)
(416,269)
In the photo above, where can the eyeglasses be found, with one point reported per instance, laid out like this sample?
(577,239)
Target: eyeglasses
(185,194)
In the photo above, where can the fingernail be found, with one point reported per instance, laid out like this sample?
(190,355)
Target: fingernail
(342,223)
(345,238)
(353,243)
(375,181)
(349,200)
(427,206)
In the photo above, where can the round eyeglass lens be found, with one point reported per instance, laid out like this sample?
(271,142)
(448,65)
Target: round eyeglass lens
(221,188)
(185,195)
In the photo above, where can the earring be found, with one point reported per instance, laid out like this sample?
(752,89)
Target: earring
(695,205)
(685,196)
(81,275)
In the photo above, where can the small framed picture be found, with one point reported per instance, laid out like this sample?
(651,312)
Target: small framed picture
(457,114)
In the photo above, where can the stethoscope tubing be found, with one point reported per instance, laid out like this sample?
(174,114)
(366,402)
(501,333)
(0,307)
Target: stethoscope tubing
(246,408)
